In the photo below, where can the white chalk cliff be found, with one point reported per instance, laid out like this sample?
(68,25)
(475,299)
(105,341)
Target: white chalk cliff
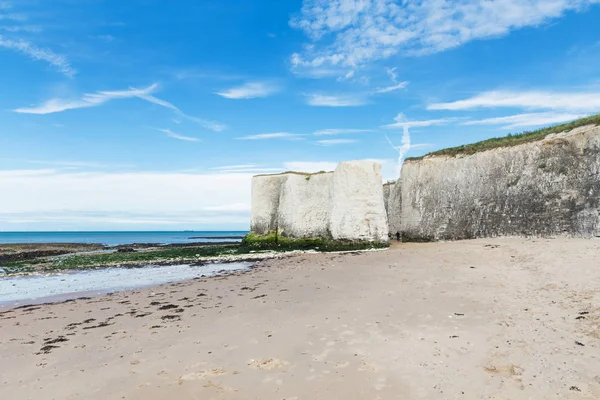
(346,204)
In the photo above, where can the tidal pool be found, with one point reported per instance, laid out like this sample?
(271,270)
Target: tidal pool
(56,287)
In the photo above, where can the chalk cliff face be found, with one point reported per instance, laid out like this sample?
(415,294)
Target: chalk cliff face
(357,207)
(305,205)
(346,204)
(266,191)
(394,209)
(548,187)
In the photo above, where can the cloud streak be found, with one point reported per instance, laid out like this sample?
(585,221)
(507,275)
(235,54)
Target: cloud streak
(321,100)
(250,90)
(329,132)
(525,120)
(99,98)
(275,135)
(566,101)
(402,122)
(178,136)
(61,63)
(332,142)
(392,88)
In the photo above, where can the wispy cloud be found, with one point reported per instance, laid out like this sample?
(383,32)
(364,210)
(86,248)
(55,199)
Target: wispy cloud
(421,145)
(394,77)
(59,62)
(12,17)
(88,100)
(275,135)
(230,167)
(328,132)
(64,164)
(392,88)
(332,142)
(309,166)
(524,120)
(245,169)
(406,143)
(21,28)
(403,149)
(402,122)
(321,100)
(178,136)
(96,99)
(569,101)
(250,90)
(368,30)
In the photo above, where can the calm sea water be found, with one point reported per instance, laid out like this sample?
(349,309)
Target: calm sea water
(116,238)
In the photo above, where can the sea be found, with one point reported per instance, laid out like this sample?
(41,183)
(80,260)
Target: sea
(114,238)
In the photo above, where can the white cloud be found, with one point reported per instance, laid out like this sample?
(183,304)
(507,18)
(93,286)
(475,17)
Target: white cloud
(327,132)
(309,166)
(392,73)
(59,62)
(421,145)
(76,164)
(525,120)
(246,168)
(21,28)
(322,100)
(348,75)
(88,100)
(239,166)
(252,171)
(13,17)
(116,200)
(178,136)
(250,90)
(96,99)
(275,135)
(402,122)
(388,89)
(406,144)
(355,32)
(331,142)
(565,101)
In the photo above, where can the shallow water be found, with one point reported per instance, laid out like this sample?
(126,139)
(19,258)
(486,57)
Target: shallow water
(39,289)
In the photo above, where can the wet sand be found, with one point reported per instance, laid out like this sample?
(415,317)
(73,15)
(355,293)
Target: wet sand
(480,319)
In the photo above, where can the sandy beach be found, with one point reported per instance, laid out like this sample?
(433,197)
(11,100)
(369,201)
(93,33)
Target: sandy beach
(482,319)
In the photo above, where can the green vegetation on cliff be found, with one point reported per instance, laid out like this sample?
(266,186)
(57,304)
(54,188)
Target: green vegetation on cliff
(252,243)
(97,260)
(511,140)
(272,241)
(307,174)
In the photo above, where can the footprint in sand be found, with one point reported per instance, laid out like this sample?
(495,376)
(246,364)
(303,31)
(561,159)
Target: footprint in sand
(202,375)
(269,364)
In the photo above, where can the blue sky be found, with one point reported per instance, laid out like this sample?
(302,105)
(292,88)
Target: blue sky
(148,114)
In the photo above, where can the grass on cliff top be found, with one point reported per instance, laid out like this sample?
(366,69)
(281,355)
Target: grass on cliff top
(511,140)
(296,173)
